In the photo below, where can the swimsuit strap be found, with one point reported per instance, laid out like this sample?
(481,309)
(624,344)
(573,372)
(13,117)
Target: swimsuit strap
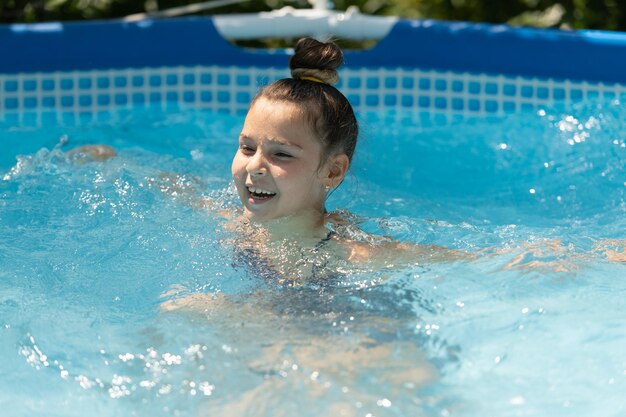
(323,241)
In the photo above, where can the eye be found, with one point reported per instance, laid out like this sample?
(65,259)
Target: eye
(283,155)
(245,149)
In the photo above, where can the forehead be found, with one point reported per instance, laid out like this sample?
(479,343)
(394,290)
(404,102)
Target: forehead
(280,121)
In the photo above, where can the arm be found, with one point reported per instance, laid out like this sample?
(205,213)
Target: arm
(88,153)
(183,188)
(613,249)
(399,253)
(381,251)
(547,255)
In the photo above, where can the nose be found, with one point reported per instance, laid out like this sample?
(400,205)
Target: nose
(257,166)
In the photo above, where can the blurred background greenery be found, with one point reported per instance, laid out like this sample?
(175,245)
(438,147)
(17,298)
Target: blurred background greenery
(574,14)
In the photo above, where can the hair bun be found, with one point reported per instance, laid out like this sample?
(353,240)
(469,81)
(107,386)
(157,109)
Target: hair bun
(317,60)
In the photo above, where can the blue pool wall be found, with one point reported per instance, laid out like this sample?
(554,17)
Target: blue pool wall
(454,46)
(422,65)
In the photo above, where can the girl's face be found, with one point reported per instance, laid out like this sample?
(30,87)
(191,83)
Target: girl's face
(277,167)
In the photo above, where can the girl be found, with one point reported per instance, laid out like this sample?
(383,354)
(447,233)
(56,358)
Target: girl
(296,145)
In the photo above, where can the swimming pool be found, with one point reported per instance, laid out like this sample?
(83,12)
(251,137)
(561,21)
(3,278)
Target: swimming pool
(89,250)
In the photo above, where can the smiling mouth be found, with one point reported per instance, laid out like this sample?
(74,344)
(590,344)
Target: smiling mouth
(259,194)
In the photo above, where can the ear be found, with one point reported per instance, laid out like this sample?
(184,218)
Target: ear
(337,167)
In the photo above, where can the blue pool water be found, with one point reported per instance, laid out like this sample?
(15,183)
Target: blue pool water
(534,326)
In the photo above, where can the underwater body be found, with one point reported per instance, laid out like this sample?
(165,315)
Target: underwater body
(533,325)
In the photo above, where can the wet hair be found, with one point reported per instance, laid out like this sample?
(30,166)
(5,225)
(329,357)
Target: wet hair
(329,113)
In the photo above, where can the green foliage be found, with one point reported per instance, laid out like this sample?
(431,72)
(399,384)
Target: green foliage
(575,14)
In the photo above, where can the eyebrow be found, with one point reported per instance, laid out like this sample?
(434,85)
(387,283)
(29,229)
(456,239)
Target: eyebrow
(273,141)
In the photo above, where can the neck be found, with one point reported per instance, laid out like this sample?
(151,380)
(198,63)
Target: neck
(306,225)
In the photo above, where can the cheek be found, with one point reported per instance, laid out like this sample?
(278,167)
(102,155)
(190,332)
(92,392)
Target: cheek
(283,174)
(237,166)
(297,181)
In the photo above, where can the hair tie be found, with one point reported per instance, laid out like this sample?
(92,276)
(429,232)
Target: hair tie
(322,76)
(314,79)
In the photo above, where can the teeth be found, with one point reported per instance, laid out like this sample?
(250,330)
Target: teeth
(260,191)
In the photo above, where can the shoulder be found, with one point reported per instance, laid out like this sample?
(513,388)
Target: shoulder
(357,244)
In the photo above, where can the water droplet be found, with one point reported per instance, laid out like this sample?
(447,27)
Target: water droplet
(383,403)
